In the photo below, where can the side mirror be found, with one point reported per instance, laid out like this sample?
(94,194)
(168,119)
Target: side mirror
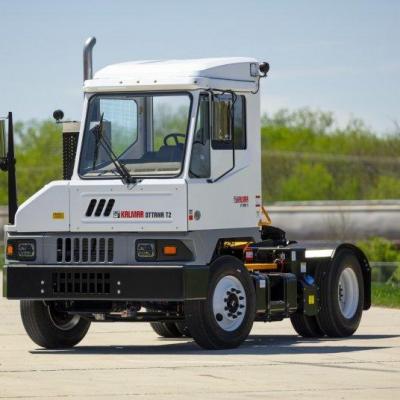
(3,147)
(58,115)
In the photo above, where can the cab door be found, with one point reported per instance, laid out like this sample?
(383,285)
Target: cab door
(220,191)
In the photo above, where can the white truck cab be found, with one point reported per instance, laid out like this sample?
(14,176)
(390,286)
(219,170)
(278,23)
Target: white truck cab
(172,125)
(159,217)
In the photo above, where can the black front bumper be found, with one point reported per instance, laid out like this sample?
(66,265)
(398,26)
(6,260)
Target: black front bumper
(96,282)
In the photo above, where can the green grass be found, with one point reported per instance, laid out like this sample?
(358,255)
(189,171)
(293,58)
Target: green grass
(385,295)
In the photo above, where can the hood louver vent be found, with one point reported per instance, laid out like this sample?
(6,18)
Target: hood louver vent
(90,208)
(100,207)
(109,207)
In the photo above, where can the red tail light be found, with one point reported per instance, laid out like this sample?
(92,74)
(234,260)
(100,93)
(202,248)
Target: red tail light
(248,254)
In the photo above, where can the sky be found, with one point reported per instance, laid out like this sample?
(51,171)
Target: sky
(341,56)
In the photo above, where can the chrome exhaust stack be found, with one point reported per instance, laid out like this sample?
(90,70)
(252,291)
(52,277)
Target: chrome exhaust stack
(88,59)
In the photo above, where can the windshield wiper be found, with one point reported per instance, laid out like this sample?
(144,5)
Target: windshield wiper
(119,166)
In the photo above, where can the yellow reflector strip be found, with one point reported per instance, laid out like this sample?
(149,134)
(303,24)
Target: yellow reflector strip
(311,299)
(236,244)
(169,250)
(261,266)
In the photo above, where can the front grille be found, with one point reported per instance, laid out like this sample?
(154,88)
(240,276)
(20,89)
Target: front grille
(85,250)
(81,283)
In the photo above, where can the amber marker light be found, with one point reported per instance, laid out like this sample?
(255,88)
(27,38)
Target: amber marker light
(10,250)
(169,250)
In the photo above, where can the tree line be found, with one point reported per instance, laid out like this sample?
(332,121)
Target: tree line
(305,156)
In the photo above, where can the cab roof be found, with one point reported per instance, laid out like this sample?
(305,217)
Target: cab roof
(236,73)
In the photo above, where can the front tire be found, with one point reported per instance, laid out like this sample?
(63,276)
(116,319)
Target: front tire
(49,328)
(225,318)
(342,295)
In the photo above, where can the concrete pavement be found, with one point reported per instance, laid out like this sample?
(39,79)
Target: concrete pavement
(122,360)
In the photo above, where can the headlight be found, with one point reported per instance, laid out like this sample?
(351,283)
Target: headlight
(21,249)
(145,250)
(162,250)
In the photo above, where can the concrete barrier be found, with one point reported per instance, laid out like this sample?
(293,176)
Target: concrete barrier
(337,220)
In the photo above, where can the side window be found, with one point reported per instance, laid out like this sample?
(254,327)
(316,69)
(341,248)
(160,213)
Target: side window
(239,123)
(228,117)
(200,158)
(170,116)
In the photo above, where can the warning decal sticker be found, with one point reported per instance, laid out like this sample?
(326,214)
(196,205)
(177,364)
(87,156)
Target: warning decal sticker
(243,201)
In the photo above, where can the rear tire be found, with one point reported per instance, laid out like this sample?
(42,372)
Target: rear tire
(183,329)
(341,295)
(225,318)
(306,326)
(166,329)
(49,328)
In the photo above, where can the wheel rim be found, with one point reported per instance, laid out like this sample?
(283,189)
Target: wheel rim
(348,293)
(63,321)
(229,303)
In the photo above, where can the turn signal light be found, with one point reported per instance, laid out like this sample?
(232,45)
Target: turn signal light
(10,250)
(169,250)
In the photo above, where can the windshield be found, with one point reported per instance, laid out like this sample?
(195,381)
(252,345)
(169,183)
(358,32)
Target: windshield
(145,133)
